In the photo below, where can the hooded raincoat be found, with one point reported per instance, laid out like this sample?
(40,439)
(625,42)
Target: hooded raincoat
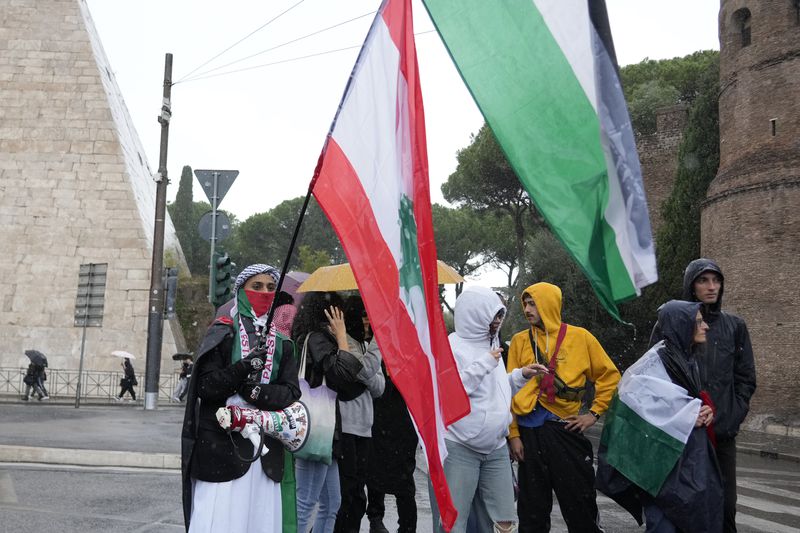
(485,380)
(580,358)
(691,497)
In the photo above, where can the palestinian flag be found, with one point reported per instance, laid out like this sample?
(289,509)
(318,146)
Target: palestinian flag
(372,183)
(648,423)
(544,74)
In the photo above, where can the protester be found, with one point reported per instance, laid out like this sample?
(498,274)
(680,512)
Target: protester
(477,464)
(546,436)
(393,461)
(183,380)
(727,369)
(357,418)
(34,380)
(320,326)
(222,490)
(128,380)
(661,395)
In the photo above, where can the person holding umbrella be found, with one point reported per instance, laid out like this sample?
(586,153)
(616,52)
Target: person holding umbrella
(35,376)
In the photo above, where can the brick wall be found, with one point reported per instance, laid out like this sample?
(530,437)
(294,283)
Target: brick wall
(751,218)
(658,155)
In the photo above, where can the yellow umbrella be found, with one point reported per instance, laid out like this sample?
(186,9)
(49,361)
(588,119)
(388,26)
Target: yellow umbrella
(340,278)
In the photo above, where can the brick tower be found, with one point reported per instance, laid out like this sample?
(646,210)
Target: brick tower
(75,188)
(751,216)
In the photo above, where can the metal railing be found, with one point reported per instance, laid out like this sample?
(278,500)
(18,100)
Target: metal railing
(95,385)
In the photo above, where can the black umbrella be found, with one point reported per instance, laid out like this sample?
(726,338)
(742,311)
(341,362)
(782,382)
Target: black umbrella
(181,356)
(36,357)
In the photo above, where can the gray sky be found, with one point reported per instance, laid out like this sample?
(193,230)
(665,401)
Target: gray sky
(270,122)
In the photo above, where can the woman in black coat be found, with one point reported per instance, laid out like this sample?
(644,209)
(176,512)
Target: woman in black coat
(222,490)
(319,325)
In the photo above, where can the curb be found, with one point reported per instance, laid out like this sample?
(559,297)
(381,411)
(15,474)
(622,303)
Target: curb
(768,454)
(65,456)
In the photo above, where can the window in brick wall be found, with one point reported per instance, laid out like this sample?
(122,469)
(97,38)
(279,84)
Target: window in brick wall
(741,21)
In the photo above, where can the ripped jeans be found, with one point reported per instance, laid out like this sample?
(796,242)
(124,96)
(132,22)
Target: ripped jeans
(482,477)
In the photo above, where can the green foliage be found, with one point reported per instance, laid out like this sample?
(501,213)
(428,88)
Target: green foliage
(181,211)
(265,237)
(460,237)
(651,85)
(485,182)
(310,260)
(645,100)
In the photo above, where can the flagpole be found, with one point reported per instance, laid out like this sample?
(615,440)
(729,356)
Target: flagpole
(285,266)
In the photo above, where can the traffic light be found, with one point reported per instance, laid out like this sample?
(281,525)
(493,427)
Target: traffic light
(221,279)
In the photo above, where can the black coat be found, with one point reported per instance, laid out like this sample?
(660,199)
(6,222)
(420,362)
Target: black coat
(340,369)
(207,452)
(725,361)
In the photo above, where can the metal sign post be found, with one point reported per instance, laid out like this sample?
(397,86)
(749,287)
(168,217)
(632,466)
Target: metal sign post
(89,305)
(216,184)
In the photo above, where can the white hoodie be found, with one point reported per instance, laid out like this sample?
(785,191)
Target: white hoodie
(485,379)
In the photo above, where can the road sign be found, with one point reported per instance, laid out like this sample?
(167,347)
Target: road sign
(225,179)
(223,226)
(90,300)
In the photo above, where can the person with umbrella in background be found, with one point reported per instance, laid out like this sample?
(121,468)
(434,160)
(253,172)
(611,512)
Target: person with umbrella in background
(128,382)
(35,376)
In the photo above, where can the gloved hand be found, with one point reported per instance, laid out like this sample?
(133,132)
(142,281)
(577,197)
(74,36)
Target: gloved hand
(253,392)
(255,359)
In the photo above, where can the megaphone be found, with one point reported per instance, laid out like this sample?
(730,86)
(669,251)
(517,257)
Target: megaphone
(289,425)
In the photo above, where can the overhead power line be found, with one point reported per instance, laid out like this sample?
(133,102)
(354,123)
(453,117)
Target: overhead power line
(241,40)
(290,60)
(209,71)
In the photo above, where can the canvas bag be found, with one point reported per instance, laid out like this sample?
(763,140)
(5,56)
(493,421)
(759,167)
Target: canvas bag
(320,403)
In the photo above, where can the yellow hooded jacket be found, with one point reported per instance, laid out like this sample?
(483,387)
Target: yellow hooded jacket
(581,357)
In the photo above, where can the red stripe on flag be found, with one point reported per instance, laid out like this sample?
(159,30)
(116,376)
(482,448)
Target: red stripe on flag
(399,19)
(345,203)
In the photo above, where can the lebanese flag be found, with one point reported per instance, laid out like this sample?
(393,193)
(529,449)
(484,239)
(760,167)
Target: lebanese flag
(372,183)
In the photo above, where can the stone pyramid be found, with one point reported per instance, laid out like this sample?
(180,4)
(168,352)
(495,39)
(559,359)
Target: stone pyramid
(75,188)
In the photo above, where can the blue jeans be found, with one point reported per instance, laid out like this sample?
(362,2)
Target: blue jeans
(317,482)
(472,475)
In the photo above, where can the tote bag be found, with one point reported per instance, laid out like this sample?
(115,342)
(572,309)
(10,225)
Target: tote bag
(321,405)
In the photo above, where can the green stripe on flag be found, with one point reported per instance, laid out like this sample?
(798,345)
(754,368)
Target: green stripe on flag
(545,124)
(638,450)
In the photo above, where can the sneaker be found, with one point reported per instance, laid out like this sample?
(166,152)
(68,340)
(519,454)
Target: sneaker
(119,399)
(44,398)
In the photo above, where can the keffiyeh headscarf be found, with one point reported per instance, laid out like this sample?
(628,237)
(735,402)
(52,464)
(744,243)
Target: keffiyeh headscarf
(242,309)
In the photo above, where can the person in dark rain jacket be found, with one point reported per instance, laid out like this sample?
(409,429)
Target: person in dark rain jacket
(222,490)
(320,321)
(689,498)
(727,369)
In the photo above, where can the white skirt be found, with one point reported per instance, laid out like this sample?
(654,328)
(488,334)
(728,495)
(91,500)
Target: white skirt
(250,504)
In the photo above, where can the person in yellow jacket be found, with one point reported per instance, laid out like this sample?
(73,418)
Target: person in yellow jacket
(546,435)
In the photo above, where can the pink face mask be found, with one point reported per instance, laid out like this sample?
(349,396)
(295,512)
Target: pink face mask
(261,301)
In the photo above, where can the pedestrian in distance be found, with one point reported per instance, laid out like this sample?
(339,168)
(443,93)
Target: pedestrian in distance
(226,487)
(546,436)
(128,380)
(320,327)
(477,467)
(183,380)
(661,404)
(357,418)
(34,380)
(726,366)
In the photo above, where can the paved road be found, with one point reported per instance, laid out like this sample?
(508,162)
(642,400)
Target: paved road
(60,499)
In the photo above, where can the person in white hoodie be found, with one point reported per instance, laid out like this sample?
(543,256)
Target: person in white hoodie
(477,464)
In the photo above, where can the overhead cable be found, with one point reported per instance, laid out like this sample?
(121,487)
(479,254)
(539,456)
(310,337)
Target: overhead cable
(241,40)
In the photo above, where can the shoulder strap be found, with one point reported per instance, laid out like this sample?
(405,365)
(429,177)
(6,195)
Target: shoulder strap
(547,383)
(302,372)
